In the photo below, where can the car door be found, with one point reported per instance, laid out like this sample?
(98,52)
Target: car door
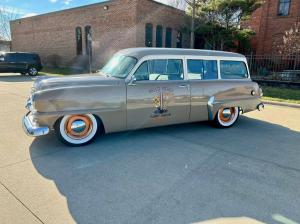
(158,94)
(202,74)
(20,61)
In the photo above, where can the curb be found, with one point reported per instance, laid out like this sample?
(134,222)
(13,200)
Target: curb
(283,104)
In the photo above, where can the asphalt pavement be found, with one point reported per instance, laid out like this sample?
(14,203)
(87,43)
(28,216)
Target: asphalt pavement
(177,174)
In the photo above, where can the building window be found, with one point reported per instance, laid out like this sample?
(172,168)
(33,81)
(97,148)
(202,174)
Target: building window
(284,7)
(148,35)
(159,36)
(169,37)
(79,40)
(179,40)
(88,40)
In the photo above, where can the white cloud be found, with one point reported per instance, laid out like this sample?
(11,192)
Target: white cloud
(67,2)
(53,1)
(29,15)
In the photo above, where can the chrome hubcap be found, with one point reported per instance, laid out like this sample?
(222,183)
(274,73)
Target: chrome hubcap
(226,113)
(33,71)
(78,126)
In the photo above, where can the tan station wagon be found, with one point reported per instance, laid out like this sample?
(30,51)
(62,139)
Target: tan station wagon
(141,88)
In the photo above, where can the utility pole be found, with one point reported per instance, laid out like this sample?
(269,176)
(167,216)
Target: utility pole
(193,24)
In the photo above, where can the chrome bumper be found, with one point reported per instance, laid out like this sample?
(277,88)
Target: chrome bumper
(33,129)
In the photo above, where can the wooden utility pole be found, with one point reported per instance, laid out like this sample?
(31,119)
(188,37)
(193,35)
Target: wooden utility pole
(193,24)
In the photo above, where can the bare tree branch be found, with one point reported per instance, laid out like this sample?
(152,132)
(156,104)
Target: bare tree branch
(6,15)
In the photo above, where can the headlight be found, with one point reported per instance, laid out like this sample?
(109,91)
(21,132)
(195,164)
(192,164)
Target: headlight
(261,92)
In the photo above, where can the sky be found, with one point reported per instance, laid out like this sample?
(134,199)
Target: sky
(26,8)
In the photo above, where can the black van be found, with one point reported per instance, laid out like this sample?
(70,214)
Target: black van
(20,62)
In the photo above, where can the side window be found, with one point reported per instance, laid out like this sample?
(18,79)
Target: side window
(142,72)
(88,40)
(233,70)
(78,33)
(159,36)
(1,57)
(11,57)
(169,37)
(210,69)
(284,7)
(179,40)
(148,35)
(202,69)
(160,69)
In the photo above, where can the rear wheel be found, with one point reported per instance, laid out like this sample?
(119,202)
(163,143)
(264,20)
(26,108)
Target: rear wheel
(77,130)
(32,71)
(226,117)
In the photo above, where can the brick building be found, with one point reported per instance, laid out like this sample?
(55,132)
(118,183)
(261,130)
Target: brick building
(68,37)
(270,23)
(4,45)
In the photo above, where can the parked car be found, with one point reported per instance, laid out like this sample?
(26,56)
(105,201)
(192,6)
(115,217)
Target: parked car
(141,88)
(20,62)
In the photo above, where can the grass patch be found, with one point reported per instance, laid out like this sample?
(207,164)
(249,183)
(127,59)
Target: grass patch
(58,71)
(281,94)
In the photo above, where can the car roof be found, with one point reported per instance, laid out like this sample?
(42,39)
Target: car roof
(142,52)
(19,53)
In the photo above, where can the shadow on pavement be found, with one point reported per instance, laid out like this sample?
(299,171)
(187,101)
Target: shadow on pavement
(16,78)
(177,174)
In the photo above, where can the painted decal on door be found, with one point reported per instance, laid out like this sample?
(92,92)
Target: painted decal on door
(161,101)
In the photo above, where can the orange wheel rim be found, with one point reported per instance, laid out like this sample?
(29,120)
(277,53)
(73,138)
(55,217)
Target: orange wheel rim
(229,117)
(80,132)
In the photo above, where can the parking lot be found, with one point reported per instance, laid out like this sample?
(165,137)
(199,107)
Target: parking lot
(178,174)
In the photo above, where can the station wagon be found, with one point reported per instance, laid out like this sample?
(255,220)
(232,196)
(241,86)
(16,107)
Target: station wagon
(142,88)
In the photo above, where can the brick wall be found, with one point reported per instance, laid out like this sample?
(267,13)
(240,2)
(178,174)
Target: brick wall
(121,26)
(270,27)
(158,14)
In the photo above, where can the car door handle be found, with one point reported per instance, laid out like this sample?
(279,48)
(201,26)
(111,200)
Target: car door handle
(183,86)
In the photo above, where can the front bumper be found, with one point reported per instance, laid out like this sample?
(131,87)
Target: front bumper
(33,129)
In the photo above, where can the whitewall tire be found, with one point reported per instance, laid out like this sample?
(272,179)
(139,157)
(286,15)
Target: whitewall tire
(77,130)
(227,116)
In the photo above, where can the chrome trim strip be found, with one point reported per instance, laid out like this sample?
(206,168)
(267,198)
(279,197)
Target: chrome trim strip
(32,129)
(210,107)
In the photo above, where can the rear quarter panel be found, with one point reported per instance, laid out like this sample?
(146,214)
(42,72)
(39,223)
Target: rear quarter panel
(233,93)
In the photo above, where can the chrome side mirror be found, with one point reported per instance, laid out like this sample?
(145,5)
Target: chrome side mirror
(132,81)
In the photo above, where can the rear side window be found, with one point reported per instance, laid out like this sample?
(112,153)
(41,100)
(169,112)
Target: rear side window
(160,69)
(202,69)
(19,57)
(233,70)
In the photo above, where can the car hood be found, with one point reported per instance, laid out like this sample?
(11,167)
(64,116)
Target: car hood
(46,82)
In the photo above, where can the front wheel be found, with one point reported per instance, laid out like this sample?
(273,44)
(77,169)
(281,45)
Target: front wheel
(32,71)
(76,130)
(226,117)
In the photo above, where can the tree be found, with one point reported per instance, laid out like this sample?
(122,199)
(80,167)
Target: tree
(291,41)
(183,5)
(6,15)
(219,22)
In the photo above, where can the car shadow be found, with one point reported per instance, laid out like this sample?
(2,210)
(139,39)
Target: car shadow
(177,174)
(16,78)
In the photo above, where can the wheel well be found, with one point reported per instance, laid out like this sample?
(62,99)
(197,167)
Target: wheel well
(101,129)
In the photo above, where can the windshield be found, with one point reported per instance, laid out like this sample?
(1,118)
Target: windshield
(119,66)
